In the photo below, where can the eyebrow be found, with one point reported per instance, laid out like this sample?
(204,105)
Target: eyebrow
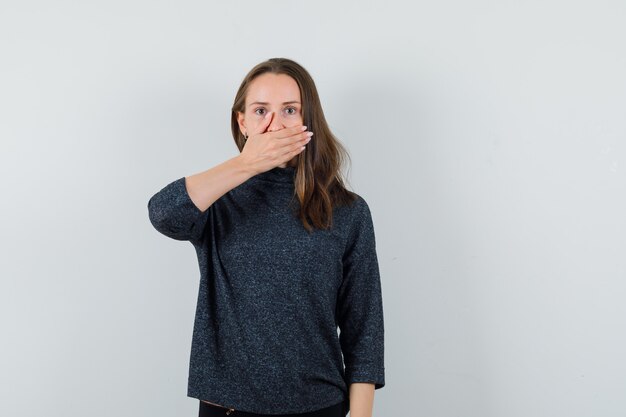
(263,102)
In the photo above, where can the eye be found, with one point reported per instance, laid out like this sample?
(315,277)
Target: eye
(294,110)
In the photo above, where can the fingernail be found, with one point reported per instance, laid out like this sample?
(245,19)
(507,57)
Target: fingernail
(303,128)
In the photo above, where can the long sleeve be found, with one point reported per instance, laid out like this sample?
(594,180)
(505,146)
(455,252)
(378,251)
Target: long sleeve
(174,214)
(360,306)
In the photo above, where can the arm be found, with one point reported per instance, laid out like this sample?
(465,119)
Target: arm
(361,399)
(180,209)
(208,186)
(360,314)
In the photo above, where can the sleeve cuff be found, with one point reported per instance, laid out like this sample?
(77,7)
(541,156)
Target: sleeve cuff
(372,376)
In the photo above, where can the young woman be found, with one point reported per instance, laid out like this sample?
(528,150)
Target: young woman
(287,256)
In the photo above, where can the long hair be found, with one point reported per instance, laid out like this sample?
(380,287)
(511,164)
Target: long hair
(319,184)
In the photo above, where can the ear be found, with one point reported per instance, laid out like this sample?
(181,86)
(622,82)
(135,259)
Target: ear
(242,122)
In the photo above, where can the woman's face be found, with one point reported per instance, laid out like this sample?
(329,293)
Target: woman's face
(278,93)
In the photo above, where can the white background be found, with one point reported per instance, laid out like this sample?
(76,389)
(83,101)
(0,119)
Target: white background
(488,138)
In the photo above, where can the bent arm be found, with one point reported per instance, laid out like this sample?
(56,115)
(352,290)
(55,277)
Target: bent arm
(180,209)
(208,186)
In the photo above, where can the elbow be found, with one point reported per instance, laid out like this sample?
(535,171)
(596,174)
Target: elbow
(159,219)
(155,214)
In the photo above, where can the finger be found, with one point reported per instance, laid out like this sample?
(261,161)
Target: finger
(292,150)
(290,131)
(267,119)
(295,146)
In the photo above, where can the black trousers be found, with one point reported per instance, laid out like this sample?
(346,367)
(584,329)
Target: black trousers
(210,410)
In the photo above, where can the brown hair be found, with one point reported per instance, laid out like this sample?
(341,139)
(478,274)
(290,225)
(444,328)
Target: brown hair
(319,184)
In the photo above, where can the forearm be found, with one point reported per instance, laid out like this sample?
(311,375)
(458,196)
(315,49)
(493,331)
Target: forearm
(361,399)
(208,186)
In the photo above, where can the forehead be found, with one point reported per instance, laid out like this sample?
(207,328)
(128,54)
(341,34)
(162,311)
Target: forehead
(273,88)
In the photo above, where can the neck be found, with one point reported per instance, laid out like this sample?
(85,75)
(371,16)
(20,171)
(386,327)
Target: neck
(279,174)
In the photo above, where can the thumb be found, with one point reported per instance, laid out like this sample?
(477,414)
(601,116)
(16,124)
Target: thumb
(267,120)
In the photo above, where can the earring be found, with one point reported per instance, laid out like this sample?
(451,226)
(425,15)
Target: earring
(245,136)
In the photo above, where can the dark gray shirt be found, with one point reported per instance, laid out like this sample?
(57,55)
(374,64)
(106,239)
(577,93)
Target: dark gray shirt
(272,297)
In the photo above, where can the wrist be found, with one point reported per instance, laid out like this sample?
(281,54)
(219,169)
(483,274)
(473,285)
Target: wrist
(242,166)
